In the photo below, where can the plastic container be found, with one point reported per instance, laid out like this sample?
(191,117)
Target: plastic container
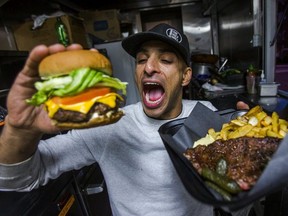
(268,89)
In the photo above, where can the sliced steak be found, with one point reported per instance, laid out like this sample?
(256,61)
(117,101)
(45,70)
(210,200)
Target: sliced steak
(246,157)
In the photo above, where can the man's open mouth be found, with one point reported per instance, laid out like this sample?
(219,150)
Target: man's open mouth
(153,94)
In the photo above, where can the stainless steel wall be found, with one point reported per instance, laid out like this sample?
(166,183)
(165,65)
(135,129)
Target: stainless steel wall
(197,27)
(235,34)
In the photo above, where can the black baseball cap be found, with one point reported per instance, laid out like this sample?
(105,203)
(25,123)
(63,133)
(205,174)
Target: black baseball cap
(162,32)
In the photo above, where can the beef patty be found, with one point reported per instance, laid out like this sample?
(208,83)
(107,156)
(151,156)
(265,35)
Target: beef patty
(73,116)
(246,157)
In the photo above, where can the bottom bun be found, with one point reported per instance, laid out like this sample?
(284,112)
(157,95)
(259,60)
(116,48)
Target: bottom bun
(94,122)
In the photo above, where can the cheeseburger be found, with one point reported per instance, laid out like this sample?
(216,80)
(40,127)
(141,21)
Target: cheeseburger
(78,90)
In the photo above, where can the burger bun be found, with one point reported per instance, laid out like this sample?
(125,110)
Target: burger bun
(64,62)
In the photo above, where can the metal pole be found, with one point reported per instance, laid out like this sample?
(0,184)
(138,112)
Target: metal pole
(270,23)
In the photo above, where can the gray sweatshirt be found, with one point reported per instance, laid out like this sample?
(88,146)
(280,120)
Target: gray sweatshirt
(139,174)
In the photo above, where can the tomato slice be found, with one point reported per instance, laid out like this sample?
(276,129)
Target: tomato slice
(84,96)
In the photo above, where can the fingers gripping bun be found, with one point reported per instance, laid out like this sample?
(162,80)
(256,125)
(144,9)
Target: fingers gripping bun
(65,62)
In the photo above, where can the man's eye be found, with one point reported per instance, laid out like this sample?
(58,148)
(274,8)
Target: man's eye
(141,61)
(166,61)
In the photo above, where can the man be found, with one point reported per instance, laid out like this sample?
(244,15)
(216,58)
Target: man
(140,177)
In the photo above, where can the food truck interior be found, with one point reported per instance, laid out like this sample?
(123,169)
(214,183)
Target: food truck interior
(227,39)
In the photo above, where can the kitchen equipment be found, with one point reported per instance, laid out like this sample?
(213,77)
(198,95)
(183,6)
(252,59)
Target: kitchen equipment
(203,65)
(204,58)
(223,65)
(3,113)
(202,71)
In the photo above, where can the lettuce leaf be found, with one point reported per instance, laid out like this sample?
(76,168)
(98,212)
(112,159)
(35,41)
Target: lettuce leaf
(72,84)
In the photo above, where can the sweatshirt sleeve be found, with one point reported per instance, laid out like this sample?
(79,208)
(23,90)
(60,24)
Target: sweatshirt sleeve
(13,177)
(53,157)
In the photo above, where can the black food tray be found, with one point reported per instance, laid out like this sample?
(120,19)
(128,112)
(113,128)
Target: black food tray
(189,176)
(177,136)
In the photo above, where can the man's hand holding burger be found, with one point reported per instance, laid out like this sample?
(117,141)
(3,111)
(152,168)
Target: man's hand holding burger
(25,123)
(78,90)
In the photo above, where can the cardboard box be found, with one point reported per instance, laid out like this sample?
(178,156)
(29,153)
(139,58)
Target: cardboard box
(103,25)
(26,38)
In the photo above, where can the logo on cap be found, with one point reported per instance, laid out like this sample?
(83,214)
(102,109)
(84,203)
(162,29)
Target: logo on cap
(172,33)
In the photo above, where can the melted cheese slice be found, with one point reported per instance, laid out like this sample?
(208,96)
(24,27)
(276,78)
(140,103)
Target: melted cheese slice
(83,107)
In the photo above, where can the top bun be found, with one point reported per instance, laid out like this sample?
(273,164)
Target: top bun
(64,62)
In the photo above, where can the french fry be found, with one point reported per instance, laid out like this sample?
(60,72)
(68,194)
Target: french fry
(225,131)
(212,133)
(255,123)
(282,133)
(225,125)
(271,133)
(275,118)
(218,136)
(266,121)
(238,122)
(256,129)
(253,111)
(240,132)
(258,135)
(261,115)
(283,127)
(245,129)
(283,121)
(263,130)
(251,134)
